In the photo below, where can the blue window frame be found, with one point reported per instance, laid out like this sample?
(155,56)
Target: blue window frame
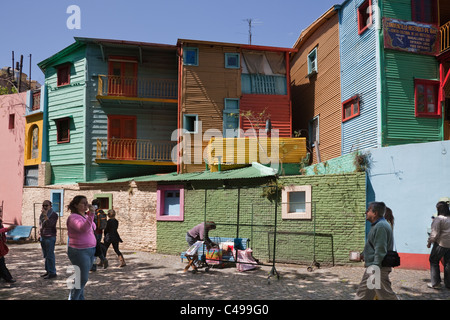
(190,123)
(190,56)
(232,60)
(57,199)
(312,61)
(231,118)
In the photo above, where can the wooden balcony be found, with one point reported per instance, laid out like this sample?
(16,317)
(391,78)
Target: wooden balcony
(137,89)
(231,153)
(445,37)
(135,151)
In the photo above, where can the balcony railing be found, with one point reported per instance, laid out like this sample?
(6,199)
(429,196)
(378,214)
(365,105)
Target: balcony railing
(231,152)
(135,150)
(445,37)
(137,87)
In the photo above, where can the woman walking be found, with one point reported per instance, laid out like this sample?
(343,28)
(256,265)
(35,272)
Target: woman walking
(112,236)
(82,243)
(440,238)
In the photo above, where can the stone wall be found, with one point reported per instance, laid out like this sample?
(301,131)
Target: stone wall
(134,204)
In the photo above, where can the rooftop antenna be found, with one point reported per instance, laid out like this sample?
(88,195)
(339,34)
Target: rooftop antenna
(249,21)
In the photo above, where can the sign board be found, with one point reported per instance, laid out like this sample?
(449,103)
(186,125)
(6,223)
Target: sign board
(410,36)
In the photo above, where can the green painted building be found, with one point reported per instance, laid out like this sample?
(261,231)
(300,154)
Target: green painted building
(111,109)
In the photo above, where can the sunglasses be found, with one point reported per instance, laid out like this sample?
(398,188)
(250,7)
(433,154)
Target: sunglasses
(45,205)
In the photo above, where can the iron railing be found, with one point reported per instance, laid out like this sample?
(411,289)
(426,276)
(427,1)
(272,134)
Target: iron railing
(137,87)
(135,149)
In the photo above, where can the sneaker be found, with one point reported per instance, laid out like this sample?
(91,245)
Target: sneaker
(436,286)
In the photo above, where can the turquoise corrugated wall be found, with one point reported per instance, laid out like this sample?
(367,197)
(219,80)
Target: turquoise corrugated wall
(67,159)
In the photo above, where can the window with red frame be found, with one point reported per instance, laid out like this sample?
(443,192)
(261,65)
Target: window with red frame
(63,130)
(350,108)
(424,11)
(63,74)
(426,94)
(364,16)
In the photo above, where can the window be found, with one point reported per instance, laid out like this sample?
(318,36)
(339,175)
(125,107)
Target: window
(170,203)
(312,62)
(105,201)
(426,98)
(33,142)
(296,202)
(364,16)
(63,130)
(190,123)
(57,200)
(190,56)
(424,11)
(232,60)
(63,75)
(350,108)
(122,79)
(11,122)
(314,131)
(122,133)
(231,118)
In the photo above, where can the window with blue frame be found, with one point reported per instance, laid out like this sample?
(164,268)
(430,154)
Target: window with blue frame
(231,118)
(190,123)
(57,199)
(312,62)
(190,56)
(232,60)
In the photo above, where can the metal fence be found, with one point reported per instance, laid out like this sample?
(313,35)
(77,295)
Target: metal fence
(272,239)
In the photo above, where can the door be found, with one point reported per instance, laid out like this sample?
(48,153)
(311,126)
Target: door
(122,79)
(121,137)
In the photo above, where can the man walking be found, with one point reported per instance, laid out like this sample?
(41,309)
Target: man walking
(47,230)
(375,281)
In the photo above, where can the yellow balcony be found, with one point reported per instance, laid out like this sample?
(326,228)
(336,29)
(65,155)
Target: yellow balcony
(445,36)
(232,153)
(137,89)
(135,151)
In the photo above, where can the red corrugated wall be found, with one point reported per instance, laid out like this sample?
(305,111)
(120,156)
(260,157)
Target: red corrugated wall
(277,106)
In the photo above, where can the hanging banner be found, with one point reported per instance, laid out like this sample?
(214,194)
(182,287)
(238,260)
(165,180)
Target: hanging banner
(410,36)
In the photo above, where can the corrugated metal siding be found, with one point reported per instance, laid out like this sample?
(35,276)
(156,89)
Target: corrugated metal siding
(401,68)
(154,120)
(358,77)
(204,89)
(67,101)
(277,106)
(319,95)
(402,126)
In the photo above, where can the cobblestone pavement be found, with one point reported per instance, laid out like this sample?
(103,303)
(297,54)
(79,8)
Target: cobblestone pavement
(150,276)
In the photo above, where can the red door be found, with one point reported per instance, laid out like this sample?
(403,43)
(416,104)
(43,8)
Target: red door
(122,79)
(121,137)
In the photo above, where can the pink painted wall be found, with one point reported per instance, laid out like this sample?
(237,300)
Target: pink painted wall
(12,142)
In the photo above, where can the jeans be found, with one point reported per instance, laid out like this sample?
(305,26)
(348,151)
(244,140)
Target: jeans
(48,251)
(437,253)
(83,259)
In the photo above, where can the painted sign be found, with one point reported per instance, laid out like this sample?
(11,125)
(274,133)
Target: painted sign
(410,36)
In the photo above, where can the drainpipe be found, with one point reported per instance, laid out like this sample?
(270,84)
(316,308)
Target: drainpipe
(180,68)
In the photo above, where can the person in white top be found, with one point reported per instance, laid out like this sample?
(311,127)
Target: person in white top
(440,238)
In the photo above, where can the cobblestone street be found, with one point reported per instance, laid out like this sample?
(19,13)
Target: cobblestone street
(150,276)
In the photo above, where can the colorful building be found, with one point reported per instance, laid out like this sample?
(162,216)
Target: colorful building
(316,88)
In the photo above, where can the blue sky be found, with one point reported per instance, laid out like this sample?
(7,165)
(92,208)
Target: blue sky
(40,28)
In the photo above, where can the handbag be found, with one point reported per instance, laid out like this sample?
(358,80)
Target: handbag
(3,248)
(391,259)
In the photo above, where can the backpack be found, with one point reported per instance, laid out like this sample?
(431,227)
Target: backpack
(100,219)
